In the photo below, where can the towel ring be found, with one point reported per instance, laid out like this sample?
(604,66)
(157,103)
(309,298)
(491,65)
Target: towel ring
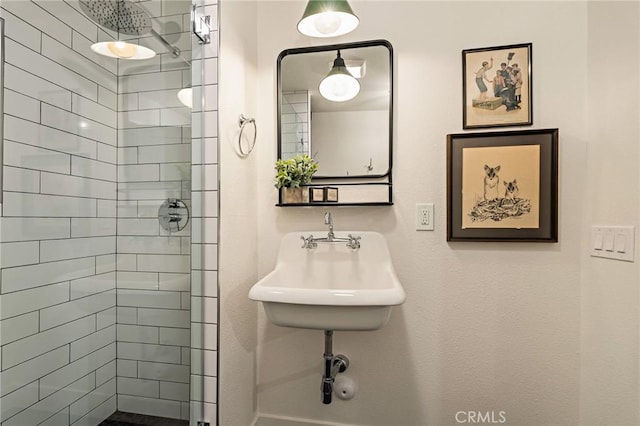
(242,122)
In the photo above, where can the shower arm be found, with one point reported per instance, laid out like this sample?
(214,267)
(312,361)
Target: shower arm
(175,52)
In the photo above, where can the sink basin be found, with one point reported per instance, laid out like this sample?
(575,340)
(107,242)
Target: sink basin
(330,287)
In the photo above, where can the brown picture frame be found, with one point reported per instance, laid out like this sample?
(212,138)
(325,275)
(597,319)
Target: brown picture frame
(316,194)
(497,86)
(484,200)
(331,194)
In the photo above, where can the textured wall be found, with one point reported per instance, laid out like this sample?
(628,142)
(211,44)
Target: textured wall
(490,327)
(610,298)
(239,214)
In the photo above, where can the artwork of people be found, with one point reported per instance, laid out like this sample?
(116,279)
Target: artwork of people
(505,83)
(481,76)
(497,86)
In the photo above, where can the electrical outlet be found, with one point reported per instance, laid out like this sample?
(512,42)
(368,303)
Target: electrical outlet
(424,217)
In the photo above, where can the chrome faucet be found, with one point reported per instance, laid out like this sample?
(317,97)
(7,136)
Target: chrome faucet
(311,243)
(328,220)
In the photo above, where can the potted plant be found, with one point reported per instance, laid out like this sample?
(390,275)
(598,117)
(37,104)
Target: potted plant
(292,173)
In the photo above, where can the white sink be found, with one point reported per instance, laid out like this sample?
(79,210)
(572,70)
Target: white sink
(331,287)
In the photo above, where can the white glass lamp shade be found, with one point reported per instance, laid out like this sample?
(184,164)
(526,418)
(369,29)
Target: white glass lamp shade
(186,97)
(327,18)
(339,85)
(122,50)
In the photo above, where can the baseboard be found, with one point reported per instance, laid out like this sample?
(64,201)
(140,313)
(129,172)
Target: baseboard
(271,420)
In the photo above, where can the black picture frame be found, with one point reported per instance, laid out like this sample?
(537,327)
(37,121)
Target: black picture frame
(316,194)
(477,163)
(497,86)
(331,194)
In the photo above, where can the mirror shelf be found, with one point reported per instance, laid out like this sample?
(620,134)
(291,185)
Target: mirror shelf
(359,204)
(341,194)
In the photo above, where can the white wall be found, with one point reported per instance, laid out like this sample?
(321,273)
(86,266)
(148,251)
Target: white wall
(610,316)
(486,326)
(342,148)
(239,213)
(490,327)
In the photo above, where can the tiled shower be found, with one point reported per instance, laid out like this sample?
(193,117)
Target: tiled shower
(101,308)
(296,123)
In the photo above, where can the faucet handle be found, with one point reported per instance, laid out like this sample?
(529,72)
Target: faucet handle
(308,242)
(354,242)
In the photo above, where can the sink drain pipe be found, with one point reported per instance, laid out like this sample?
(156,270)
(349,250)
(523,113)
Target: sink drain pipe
(332,366)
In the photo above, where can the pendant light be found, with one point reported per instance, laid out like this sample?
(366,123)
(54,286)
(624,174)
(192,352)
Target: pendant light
(339,85)
(186,97)
(122,50)
(327,18)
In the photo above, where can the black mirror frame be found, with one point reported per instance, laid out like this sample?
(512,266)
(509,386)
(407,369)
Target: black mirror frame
(326,48)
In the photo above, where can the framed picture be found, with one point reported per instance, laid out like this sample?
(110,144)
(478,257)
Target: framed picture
(331,194)
(316,195)
(496,87)
(503,186)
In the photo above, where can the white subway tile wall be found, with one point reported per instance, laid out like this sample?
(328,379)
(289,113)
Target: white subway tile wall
(58,230)
(204,247)
(96,298)
(154,162)
(295,118)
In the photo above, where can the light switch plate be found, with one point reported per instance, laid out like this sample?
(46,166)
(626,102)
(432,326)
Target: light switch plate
(613,242)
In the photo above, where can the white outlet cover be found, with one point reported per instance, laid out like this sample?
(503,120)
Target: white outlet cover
(424,217)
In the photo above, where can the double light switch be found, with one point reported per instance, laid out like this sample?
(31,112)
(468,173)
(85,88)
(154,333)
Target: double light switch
(613,242)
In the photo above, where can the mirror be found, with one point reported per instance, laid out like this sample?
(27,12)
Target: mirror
(348,139)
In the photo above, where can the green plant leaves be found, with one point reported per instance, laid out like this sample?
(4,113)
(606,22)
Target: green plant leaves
(296,171)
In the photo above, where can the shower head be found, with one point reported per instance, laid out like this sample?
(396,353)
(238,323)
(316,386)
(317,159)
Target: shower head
(125,17)
(121,16)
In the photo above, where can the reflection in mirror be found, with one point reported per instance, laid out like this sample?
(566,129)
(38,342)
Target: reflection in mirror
(295,119)
(348,139)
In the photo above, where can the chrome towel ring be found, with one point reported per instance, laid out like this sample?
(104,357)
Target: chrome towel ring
(242,122)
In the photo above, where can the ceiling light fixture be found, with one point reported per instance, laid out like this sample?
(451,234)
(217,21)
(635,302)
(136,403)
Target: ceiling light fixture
(122,50)
(339,85)
(327,18)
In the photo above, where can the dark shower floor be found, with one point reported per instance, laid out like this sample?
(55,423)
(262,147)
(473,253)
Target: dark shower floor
(120,418)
